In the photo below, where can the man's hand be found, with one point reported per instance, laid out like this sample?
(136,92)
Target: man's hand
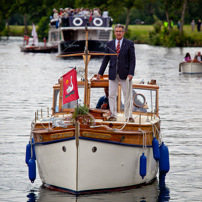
(104,106)
(130,77)
(98,77)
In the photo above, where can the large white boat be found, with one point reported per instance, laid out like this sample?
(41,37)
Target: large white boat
(69,34)
(191,67)
(84,152)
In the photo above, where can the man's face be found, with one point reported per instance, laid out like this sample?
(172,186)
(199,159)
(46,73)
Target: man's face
(119,33)
(106,92)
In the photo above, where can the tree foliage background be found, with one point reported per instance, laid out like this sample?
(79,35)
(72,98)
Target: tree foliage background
(26,12)
(138,9)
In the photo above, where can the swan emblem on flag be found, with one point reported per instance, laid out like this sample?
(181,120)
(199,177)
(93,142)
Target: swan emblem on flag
(70,87)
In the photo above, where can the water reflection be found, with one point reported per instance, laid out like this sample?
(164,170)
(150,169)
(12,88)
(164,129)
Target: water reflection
(31,196)
(164,192)
(149,193)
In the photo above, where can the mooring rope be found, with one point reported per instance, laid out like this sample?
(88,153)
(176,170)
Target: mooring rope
(31,136)
(159,132)
(144,139)
(128,98)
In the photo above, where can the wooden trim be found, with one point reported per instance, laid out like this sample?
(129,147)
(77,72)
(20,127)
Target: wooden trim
(61,91)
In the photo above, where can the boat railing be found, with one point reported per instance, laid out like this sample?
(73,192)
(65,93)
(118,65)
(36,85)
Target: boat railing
(80,21)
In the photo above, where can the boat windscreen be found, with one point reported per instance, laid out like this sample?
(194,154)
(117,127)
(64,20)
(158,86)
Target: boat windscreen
(142,100)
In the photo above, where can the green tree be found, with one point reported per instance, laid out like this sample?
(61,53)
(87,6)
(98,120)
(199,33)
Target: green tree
(184,6)
(6,11)
(117,7)
(43,27)
(33,10)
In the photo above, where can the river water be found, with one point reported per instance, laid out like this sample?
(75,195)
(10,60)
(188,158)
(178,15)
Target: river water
(26,82)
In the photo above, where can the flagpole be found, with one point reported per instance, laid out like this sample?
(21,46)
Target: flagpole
(77,134)
(77,104)
(86,58)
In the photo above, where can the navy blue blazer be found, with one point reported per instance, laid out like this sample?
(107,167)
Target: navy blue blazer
(126,60)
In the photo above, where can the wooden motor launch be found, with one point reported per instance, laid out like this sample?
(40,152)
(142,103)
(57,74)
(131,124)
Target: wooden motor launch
(84,153)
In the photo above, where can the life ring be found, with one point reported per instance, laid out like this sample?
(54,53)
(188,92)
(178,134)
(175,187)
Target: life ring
(80,71)
(76,23)
(97,23)
(139,100)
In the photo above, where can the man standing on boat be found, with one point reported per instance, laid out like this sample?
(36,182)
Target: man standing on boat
(121,68)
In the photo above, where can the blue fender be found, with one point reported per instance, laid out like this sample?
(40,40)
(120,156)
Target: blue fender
(32,170)
(156,151)
(164,164)
(28,153)
(143,165)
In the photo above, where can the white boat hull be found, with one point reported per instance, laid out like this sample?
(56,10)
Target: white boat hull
(191,68)
(112,166)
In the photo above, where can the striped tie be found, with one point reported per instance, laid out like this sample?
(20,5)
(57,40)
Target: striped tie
(118,48)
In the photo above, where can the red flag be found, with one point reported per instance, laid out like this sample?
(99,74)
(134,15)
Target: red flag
(26,39)
(70,89)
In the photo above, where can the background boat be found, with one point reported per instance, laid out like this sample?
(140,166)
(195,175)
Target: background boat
(34,47)
(39,49)
(191,67)
(69,33)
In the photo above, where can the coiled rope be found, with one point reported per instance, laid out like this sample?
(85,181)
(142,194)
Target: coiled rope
(128,99)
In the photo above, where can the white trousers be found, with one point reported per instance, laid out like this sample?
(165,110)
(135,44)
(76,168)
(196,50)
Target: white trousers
(113,92)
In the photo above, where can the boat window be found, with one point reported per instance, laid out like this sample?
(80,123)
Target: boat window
(68,35)
(56,100)
(73,103)
(142,100)
(69,105)
(54,36)
(95,95)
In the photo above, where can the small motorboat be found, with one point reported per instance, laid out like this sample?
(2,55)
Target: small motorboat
(191,67)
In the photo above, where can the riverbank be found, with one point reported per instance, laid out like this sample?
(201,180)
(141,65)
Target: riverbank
(140,34)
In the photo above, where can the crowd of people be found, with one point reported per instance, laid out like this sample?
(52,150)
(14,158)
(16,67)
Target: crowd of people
(78,12)
(61,17)
(193,25)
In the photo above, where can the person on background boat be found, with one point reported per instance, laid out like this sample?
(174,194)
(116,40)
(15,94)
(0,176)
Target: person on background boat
(61,12)
(103,102)
(198,57)
(187,57)
(105,13)
(55,15)
(96,12)
(53,12)
(121,67)
(71,14)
